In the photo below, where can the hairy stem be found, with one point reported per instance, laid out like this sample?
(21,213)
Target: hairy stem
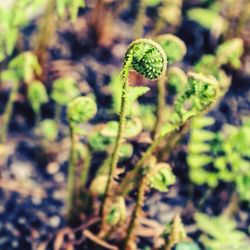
(71,182)
(136,213)
(125,186)
(8,112)
(115,155)
(160,104)
(86,167)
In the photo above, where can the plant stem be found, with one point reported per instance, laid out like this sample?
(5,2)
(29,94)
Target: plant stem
(160,104)
(71,182)
(85,170)
(136,213)
(125,186)
(139,23)
(115,155)
(8,112)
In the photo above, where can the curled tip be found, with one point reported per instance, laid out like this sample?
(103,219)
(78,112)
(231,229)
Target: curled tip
(81,110)
(201,78)
(147,58)
(206,87)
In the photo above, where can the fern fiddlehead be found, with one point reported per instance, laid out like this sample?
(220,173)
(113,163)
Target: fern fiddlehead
(79,111)
(200,93)
(147,58)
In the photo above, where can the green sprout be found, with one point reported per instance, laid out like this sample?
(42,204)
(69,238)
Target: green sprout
(63,91)
(79,111)
(23,68)
(148,59)
(37,96)
(158,176)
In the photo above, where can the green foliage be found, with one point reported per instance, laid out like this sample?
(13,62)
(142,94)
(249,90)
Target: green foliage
(26,66)
(209,19)
(133,128)
(72,6)
(230,52)
(153,3)
(117,212)
(147,58)
(177,80)
(187,246)
(11,21)
(210,65)
(99,142)
(177,233)
(64,90)
(126,151)
(170,12)
(37,95)
(147,116)
(199,94)
(220,232)
(48,129)
(133,94)
(174,48)
(227,151)
(116,90)
(161,177)
(81,110)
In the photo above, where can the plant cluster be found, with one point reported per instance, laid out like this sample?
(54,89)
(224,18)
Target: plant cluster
(126,153)
(219,156)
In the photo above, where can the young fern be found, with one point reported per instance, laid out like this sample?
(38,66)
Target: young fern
(147,58)
(37,96)
(79,111)
(197,98)
(157,176)
(22,68)
(63,91)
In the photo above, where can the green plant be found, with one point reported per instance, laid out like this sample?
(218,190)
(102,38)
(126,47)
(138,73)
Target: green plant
(177,233)
(177,80)
(169,15)
(63,91)
(227,151)
(139,57)
(209,19)
(79,111)
(220,232)
(48,130)
(158,176)
(71,6)
(12,20)
(37,96)
(199,95)
(230,52)
(175,50)
(24,67)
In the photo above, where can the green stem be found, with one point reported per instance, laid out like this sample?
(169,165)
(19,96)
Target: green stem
(115,155)
(127,183)
(8,112)
(136,213)
(160,105)
(86,167)
(71,182)
(139,23)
